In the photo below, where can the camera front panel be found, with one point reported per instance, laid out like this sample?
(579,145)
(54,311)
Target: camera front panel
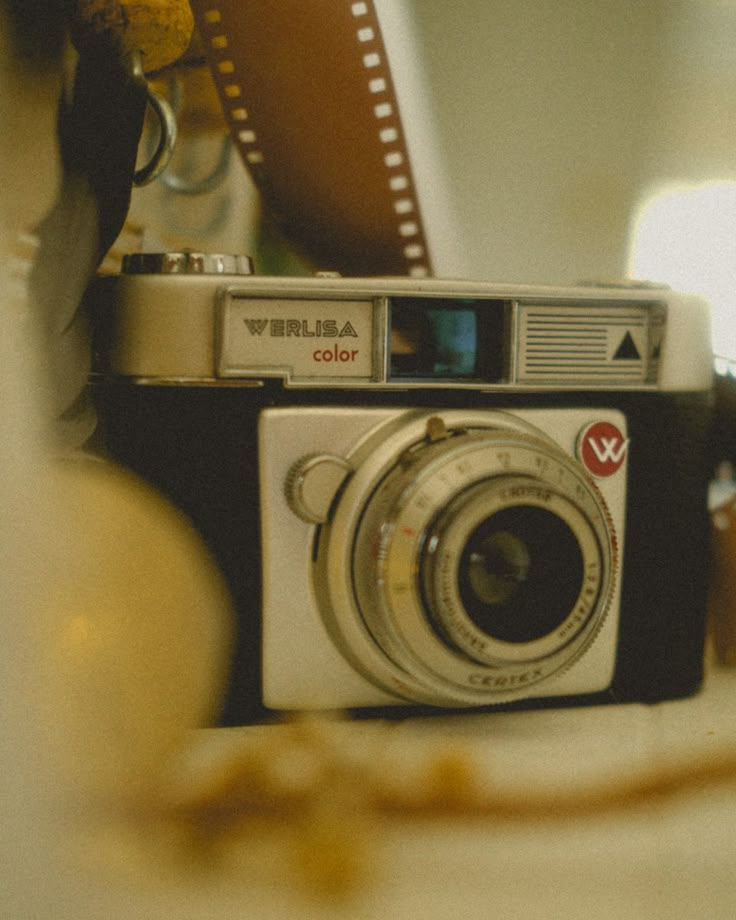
(200,446)
(465,560)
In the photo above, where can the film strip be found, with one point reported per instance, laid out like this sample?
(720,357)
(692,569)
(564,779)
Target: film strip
(308,95)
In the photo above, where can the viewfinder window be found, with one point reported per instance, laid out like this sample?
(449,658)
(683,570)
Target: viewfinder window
(442,339)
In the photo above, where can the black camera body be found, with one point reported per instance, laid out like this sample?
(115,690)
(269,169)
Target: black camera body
(425,495)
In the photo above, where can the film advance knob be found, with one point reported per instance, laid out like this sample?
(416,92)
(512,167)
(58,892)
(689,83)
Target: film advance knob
(313,483)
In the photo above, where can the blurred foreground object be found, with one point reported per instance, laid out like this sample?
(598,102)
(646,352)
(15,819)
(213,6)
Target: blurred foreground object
(723,581)
(159,29)
(100,677)
(138,631)
(100,123)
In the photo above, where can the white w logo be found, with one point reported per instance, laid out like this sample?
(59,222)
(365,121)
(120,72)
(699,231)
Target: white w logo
(609,450)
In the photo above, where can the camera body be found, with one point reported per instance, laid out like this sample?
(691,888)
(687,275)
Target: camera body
(425,494)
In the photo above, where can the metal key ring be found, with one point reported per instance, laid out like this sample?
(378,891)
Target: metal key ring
(167,127)
(166,140)
(213,180)
(209,183)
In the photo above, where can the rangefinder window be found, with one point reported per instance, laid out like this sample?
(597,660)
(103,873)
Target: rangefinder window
(437,339)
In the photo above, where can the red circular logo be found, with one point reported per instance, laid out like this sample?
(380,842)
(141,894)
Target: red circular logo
(602,448)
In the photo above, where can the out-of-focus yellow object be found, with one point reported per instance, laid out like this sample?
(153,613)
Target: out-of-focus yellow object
(140,627)
(160,29)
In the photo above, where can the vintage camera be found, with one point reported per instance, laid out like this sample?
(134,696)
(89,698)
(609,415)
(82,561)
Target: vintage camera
(424,493)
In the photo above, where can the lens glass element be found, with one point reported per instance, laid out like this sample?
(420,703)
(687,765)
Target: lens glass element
(520,573)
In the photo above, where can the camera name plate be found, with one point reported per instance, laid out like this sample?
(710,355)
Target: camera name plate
(297,339)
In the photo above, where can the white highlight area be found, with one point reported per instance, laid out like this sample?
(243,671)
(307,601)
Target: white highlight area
(685,236)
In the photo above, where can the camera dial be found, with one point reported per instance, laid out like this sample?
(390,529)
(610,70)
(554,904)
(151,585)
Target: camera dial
(186,262)
(466,559)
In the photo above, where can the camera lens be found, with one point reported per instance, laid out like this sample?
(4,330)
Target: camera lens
(520,574)
(467,565)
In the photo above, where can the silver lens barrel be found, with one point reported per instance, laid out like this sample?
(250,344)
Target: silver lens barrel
(466,569)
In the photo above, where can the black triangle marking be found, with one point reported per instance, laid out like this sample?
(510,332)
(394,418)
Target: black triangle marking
(627,350)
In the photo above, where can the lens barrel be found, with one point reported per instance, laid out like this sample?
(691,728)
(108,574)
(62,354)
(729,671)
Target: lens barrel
(465,569)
